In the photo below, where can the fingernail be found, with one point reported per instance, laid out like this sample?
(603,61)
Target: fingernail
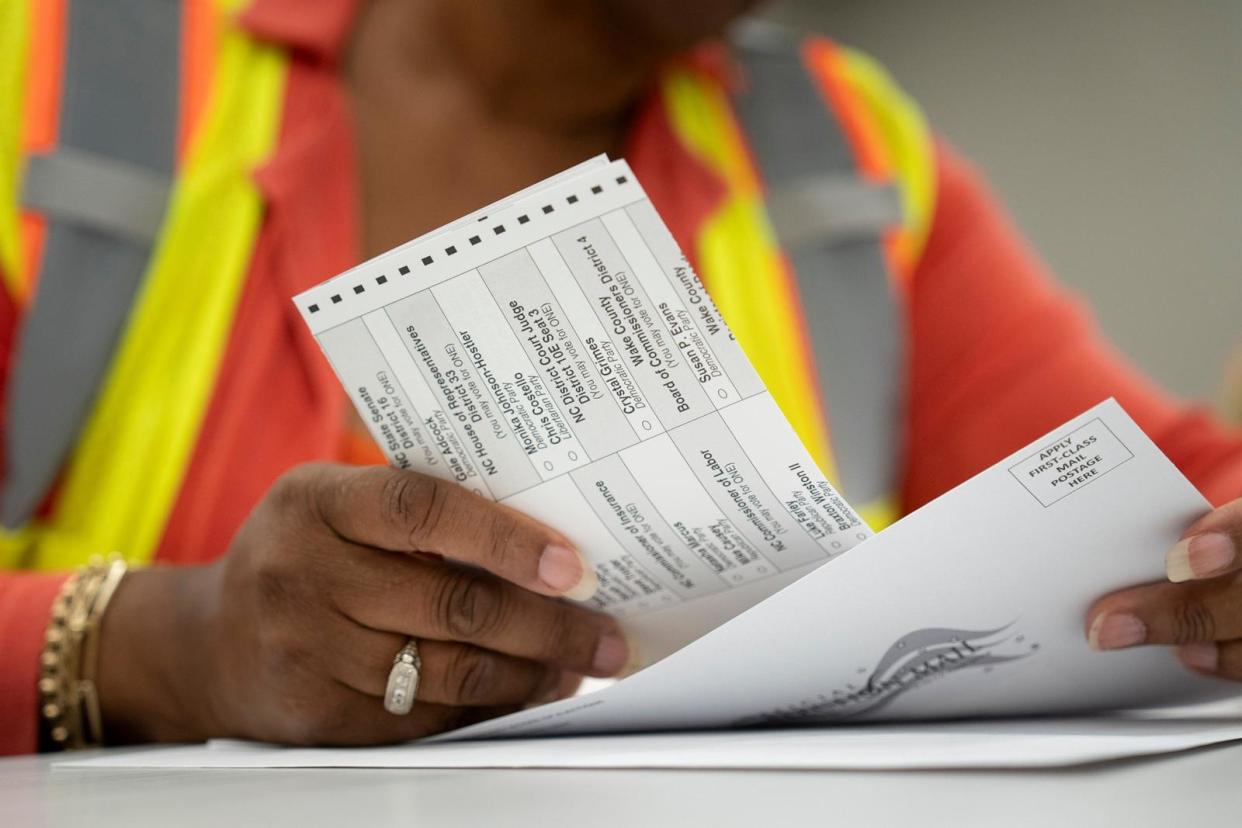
(1202,658)
(1199,557)
(1115,630)
(563,570)
(611,654)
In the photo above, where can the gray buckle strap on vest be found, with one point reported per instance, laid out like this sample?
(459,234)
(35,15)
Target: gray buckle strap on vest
(829,222)
(113,197)
(103,194)
(831,208)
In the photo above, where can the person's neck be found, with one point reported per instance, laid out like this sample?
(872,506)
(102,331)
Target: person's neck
(459,102)
(546,65)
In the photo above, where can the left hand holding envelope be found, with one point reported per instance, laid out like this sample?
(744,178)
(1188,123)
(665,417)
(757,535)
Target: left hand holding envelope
(1198,609)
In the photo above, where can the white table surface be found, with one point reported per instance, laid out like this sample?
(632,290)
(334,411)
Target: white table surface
(1198,788)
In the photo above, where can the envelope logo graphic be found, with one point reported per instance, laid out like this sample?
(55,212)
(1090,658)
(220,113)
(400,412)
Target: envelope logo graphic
(912,661)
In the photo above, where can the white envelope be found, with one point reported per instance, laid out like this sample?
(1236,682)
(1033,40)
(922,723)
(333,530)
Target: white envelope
(972,606)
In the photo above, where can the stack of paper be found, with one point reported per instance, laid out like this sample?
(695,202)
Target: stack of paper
(1038,743)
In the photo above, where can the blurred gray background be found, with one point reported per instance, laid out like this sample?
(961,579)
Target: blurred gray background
(1111,129)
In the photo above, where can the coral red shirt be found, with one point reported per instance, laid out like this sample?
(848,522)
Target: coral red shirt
(990,333)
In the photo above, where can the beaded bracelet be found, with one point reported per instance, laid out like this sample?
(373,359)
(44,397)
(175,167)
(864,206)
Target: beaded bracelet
(68,700)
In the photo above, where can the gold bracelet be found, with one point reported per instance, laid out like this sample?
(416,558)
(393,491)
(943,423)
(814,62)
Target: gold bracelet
(88,694)
(54,670)
(69,701)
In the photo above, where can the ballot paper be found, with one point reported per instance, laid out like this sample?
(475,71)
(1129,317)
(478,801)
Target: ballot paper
(972,606)
(556,352)
(1026,743)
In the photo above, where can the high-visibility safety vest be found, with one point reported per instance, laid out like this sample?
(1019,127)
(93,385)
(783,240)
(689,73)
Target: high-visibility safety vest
(128,218)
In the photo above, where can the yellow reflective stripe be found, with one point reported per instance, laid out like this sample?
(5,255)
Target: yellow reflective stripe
(880,513)
(124,477)
(904,135)
(14,42)
(735,246)
(741,262)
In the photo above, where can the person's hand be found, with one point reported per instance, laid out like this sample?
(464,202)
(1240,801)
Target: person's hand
(1199,609)
(291,635)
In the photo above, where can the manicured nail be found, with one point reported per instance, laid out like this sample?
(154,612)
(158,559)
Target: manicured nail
(1201,658)
(1199,556)
(611,654)
(1115,630)
(563,570)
